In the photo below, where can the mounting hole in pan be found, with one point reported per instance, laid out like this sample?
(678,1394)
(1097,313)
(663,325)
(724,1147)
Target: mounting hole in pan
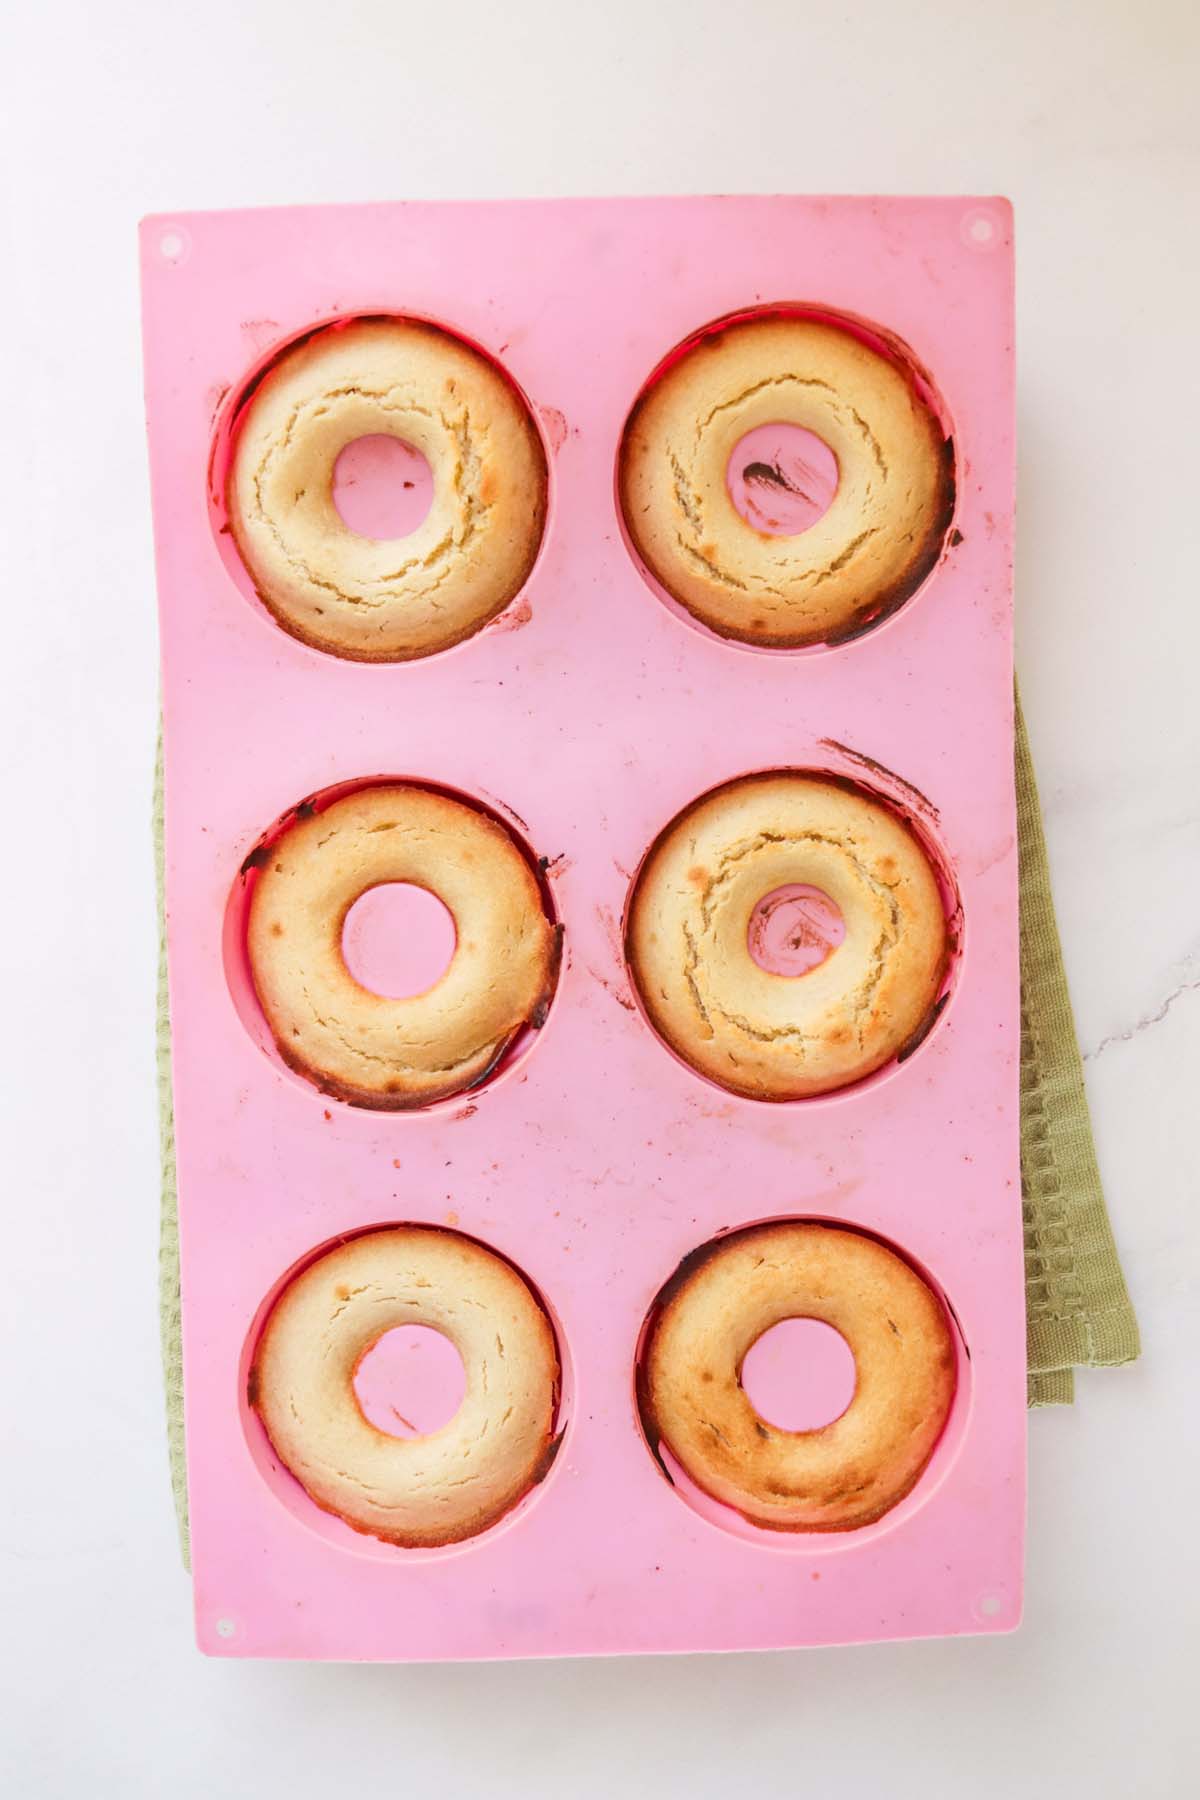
(980,231)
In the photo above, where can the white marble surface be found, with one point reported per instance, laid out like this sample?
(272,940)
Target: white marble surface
(1083,114)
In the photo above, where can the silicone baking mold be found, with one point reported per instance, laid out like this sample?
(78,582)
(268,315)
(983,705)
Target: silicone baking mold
(586,716)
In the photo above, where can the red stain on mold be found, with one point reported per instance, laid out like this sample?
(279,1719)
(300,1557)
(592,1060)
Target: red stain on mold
(924,803)
(614,983)
(612,932)
(513,620)
(614,989)
(996,856)
(261,332)
(726,1110)
(555,424)
(465,1112)
(501,806)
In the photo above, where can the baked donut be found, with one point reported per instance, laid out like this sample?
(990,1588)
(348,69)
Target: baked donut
(450,1483)
(720,1303)
(364,1047)
(385,600)
(774,1036)
(883,531)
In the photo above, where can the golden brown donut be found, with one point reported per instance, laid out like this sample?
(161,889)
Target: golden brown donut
(721,1302)
(772,1036)
(883,531)
(450,1483)
(386,600)
(364,1047)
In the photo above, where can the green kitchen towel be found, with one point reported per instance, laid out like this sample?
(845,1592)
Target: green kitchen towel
(170,1315)
(1076,1303)
(1077,1306)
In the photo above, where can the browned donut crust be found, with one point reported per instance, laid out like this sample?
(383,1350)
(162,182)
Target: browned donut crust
(447,1484)
(365,1047)
(386,600)
(847,1473)
(883,531)
(779,1037)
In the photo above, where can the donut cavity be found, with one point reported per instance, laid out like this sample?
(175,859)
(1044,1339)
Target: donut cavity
(794,929)
(411,1382)
(382,486)
(398,940)
(782,478)
(799,1375)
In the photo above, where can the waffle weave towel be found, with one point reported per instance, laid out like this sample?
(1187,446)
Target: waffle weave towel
(1078,1309)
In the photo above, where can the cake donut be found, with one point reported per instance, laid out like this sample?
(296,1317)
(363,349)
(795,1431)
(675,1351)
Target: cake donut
(364,1047)
(722,1300)
(450,1483)
(774,1036)
(883,531)
(385,600)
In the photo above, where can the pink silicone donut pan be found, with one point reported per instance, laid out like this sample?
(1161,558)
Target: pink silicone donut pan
(588,715)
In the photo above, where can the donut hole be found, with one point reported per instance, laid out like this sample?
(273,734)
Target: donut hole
(799,1375)
(794,929)
(782,479)
(398,940)
(382,487)
(410,1382)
